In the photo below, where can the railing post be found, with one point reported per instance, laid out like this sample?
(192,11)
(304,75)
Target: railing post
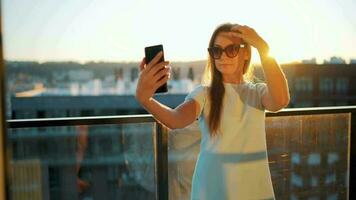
(162,161)
(352,177)
(3,161)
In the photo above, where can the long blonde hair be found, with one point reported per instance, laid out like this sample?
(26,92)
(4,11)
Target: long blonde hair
(213,78)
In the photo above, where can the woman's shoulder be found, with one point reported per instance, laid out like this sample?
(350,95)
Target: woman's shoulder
(258,86)
(201,88)
(199,93)
(255,84)
(253,90)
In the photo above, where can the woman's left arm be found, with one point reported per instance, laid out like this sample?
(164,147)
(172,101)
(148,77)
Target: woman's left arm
(277,95)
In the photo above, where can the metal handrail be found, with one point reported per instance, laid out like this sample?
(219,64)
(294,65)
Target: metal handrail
(123,119)
(313,111)
(73,121)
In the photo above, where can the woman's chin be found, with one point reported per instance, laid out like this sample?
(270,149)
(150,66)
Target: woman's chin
(227,74)
(225,65)
(226,71)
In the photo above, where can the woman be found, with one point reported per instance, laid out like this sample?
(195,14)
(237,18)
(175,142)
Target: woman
(232,162)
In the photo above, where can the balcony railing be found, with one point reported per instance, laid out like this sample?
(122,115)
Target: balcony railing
(311,155)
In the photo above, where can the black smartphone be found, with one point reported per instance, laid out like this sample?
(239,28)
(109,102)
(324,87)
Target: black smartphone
(150,53)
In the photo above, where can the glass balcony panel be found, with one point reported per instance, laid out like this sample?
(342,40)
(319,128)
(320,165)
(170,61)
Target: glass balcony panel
(82,162)
(308,156)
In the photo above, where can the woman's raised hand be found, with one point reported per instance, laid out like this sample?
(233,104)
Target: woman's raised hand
(152,76)
(250,36)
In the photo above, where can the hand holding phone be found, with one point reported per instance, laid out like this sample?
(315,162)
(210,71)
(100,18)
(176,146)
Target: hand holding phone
(150,53)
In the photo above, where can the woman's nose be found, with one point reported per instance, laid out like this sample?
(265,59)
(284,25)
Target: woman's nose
(223,55)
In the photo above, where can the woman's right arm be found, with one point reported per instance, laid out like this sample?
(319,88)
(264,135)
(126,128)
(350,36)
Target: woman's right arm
(150,79)
(179,117)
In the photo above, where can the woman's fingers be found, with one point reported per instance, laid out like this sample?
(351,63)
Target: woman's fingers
(241,29)
(239,35)
(154,61)
(236,28)
(157,72)
(142,64)
(244,32)
(158,67)
(162,81)
(238,31)
(160,74)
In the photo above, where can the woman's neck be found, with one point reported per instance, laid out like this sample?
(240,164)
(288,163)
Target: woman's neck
(234,81)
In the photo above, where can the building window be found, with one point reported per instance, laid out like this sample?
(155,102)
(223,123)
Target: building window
(326,85)
(342,85)
(176,73)
(326,103)
(305,103)
(304,84)
(191,74)
(134,74)
(341,103)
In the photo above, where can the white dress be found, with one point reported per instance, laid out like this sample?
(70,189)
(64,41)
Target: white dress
(233,165)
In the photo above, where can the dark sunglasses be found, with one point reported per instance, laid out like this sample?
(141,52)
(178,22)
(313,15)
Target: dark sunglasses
(231,51)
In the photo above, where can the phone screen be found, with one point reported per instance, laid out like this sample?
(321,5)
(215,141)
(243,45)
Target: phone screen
(150,53)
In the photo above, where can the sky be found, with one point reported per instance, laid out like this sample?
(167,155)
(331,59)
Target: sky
(118,30)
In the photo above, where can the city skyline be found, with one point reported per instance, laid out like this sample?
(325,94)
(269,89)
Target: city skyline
(117,31)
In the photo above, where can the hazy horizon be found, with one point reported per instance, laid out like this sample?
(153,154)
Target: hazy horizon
(117,31)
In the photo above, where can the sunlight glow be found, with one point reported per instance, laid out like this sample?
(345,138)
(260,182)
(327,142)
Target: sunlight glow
(118,30)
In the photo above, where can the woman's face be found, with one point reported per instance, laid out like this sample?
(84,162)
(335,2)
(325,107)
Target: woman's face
(231,68)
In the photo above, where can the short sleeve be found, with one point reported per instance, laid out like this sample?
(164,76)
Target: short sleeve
(199,95)
(261,89)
